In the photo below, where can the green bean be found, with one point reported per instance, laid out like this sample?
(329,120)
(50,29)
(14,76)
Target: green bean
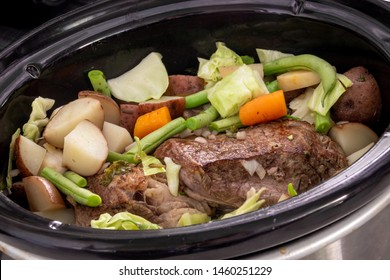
(231,123)
(114,156)
(99,82)
(202,119)
(66,186)
(76,178)
(196,99)
(272,86)
(322,123)
(155,138)
(325,70)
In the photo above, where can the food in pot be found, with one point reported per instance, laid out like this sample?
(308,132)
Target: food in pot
(225,142)
(270,155)
(362,101)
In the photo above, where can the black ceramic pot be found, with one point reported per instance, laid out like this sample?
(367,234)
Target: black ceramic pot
(113,35)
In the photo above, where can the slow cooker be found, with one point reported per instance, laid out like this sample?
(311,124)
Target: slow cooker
(332,220)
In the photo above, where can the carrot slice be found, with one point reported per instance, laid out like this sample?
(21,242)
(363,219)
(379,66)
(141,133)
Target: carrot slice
(151,121)
(264,108)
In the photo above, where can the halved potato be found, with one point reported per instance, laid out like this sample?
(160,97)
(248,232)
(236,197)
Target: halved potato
(85,149)
(29,156)
(41,194)
(118,138)
(53,158)
(352,136)
(112,112)
(69,116)
(297,79)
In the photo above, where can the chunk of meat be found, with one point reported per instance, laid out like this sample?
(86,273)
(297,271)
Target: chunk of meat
(138,194)
(123,193)
(285,151)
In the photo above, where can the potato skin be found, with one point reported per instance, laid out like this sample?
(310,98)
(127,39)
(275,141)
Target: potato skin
(183,85)
(362,101)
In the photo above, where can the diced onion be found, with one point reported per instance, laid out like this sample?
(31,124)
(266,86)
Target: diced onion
(201,140)
(241,135)
(250,166)
(260,171)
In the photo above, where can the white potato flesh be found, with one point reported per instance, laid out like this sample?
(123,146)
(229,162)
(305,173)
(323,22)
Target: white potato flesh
(53,158)
(118,137)
(147,80)
(112,112)
(29,156)
(69,116)
(85,149)
(358,154)
(352,136)
(41,194)
(297,79)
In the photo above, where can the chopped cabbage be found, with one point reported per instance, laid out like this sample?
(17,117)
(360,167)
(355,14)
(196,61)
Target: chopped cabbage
(38,117)
(223,56)
(122,221)
(148,80)
(188,219)
(321,102)
(270,55)
(237,88)
(300,108)
(251,203)
(173,171)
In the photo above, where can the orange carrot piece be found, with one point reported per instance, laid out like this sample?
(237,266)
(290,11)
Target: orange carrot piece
(151,121)
(264,108)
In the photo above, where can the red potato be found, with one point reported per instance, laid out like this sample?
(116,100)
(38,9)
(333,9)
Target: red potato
(131,111)
(112,112)
(29,156)
(129,115)
(42,195)
(175,104)
(183,85)
(362,101)
(69,116)
(85,149)
(118,137)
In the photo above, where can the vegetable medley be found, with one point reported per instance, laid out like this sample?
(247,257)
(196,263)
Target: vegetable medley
(124,119)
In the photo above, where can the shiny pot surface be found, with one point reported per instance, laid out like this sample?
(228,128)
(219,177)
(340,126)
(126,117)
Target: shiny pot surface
(114,35)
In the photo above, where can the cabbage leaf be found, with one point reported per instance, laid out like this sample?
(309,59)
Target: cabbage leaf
(223,56)
(236,89)
(123,221)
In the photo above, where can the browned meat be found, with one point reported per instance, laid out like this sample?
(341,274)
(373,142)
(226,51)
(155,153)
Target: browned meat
(169,208)
(136,193)
(123,193)
(287,152)
(182,85)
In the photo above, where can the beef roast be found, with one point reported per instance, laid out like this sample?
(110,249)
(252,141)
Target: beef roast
(130,190)
(285,152)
